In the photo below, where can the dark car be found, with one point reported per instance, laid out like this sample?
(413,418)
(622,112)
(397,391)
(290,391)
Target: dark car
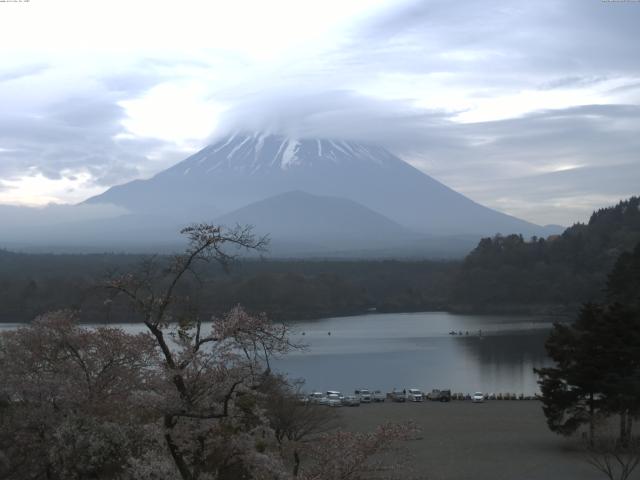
(397,396)
(440,395)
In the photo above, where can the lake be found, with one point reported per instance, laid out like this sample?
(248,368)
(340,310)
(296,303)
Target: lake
(403,350)
(407,350)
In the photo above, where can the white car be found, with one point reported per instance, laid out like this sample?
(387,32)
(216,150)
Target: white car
(334,400)
(415,395)
(477,397)
(364,395)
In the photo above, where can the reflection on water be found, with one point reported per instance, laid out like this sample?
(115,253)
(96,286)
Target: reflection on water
(416,350)
(383,351)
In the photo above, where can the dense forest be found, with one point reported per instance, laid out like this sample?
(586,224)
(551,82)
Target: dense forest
(284,289)
(508,272)
(502,274)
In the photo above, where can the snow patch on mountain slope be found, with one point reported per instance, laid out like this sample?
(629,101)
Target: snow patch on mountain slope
(289,156)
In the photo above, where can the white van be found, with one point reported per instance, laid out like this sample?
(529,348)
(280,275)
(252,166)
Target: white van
(415,395)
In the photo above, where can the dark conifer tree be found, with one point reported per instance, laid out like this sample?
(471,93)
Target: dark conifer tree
(571,393)
(597,358)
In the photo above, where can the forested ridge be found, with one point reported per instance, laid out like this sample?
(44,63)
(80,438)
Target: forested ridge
(561,271)
(284,289)
(502,274)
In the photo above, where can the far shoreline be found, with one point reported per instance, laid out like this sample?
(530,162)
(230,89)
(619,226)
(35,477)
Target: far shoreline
(560,312)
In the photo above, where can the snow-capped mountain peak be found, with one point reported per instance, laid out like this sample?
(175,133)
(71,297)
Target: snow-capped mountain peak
(253,153)
(245,168)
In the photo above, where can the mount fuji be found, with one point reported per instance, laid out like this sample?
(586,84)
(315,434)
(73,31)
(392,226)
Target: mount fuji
(312,196)
(245,168)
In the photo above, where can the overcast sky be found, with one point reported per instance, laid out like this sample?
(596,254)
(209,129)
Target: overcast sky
(530,107)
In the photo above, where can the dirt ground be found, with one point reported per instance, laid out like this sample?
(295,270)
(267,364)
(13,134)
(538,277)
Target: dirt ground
(494,440)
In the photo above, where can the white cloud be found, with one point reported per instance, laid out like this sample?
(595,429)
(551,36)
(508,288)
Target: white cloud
(176,112)
(38,190)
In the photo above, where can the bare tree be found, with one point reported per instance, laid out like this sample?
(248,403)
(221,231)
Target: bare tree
(613,458)
(295,421)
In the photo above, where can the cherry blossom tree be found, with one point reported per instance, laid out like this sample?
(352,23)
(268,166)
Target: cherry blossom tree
(61,381)
(212,419)
(344,455)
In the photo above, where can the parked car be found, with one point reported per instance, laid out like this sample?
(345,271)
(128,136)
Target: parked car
(335,392)
(318,398)
(351,401)
(378,396)
(415,395)
(302,399)
(363,394)
(334,400)
(477,397)
(397,396)
(439,395)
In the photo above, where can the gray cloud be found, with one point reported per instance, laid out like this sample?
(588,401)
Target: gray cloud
(563,197)
(626,88)
(507,164)
(483,48)
(594,145)
(334,114)
(77,134)
(501,45)
(143,75)
(572,81)
(22,72)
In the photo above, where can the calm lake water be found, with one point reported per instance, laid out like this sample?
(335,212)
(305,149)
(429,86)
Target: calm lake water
(407,350)
(383,351)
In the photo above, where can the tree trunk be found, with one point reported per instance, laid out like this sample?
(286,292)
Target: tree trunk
(592,421)
(178,459)
(296,463)
(623,428)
